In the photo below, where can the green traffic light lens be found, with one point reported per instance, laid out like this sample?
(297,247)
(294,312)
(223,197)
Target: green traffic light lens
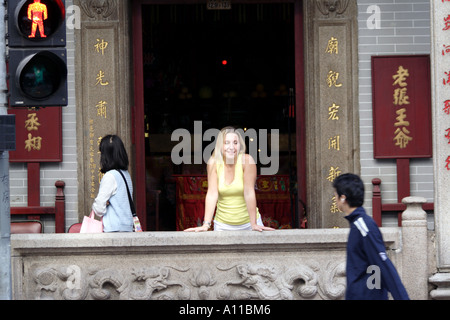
(41,76)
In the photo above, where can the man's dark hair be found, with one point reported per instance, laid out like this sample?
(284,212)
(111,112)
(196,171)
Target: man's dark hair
(112,154)
(351,186)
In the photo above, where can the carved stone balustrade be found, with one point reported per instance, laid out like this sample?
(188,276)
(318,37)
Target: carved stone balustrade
(284,264)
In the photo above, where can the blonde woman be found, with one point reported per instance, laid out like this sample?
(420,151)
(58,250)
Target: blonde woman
(231,186)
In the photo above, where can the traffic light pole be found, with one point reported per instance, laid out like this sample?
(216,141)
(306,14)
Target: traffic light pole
(5,226)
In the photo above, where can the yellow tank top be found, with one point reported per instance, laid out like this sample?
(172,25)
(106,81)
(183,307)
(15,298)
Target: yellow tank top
(231,206)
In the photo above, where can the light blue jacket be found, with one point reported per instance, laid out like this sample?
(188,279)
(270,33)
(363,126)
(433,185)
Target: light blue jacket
(118,216)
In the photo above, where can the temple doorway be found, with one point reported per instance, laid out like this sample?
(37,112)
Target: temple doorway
(206,69)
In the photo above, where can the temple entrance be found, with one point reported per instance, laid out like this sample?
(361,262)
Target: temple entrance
(206,69)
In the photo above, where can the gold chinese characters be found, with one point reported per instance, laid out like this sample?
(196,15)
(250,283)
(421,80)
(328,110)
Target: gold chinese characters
(334,142)
(32,124)
(401,98)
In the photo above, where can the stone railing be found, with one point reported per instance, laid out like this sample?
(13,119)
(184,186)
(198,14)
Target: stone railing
(285,264)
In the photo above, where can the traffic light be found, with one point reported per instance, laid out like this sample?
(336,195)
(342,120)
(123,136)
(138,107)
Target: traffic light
(7,133)
(37,54)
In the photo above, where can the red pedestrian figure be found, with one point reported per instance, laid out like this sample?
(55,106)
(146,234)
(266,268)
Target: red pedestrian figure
(37,12)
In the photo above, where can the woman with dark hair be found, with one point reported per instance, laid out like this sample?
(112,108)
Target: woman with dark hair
(112,202)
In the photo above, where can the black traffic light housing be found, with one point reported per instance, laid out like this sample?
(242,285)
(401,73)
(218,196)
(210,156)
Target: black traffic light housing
(20,27)
(38,77)
(37,55)
(7,133)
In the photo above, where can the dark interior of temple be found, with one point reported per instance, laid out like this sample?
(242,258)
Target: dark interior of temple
(221,67)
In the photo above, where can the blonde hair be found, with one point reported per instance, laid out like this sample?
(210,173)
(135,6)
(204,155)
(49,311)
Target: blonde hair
(217,155)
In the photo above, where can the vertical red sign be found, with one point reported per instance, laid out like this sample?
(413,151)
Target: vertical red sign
(401,87)
(38,135)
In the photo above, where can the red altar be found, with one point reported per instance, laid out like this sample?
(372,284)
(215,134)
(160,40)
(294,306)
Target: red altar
(272,198)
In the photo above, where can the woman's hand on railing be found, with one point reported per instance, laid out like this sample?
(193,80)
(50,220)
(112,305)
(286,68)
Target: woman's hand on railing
(259,228)
(204,227)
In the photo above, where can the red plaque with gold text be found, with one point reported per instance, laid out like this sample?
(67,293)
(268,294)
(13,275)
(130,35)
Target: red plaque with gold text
(38,135)
(401,88)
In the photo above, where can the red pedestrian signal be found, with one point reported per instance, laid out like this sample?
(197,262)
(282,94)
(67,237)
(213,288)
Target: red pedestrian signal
(37,55)
(37,13)
(36,23)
